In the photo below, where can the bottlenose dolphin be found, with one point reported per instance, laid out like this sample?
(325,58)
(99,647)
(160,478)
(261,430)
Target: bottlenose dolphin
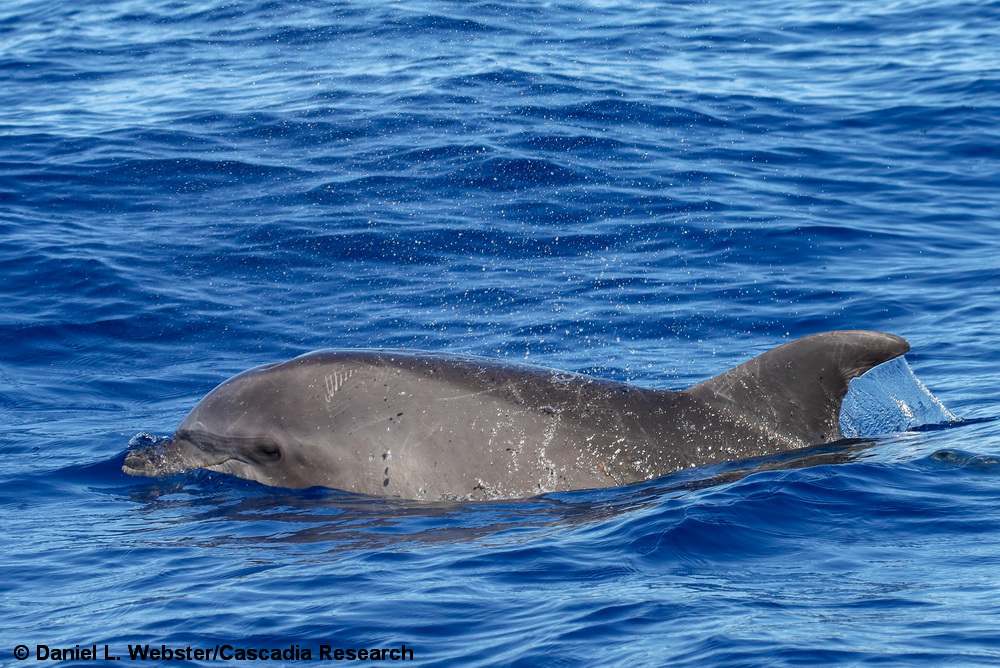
(433,426)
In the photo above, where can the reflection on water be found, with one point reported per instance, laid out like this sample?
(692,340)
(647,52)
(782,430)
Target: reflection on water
(330,520)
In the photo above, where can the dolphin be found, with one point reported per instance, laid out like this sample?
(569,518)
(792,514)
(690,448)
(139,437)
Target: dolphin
(429,426)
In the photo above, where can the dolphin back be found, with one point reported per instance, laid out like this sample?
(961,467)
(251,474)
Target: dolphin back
(795,391)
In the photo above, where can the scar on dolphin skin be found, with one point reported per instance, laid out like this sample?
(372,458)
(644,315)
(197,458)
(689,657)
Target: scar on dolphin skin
(334,381)
(461,410)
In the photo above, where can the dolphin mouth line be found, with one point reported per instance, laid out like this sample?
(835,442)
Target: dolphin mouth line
(222,465)
(236,467)
(171,457)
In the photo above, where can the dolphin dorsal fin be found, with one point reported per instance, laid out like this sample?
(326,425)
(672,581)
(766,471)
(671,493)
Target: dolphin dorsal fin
(795,390)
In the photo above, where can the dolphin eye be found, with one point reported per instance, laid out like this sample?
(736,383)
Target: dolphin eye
(267,452)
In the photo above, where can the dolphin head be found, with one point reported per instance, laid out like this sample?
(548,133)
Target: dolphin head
(244,427)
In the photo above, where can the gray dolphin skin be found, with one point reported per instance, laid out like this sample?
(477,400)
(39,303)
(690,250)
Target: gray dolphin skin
(447,427)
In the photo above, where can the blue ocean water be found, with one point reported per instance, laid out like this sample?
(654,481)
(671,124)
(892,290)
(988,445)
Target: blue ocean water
(644,191)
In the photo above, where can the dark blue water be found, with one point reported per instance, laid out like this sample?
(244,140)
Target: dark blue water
(651,192)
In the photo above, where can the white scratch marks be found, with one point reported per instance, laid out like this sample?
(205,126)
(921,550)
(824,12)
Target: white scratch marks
(334,381)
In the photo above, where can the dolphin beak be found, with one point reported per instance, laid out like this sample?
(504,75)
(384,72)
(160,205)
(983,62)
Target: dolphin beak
(175,456)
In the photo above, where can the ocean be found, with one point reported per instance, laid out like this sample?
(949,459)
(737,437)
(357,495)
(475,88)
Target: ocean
(650,192)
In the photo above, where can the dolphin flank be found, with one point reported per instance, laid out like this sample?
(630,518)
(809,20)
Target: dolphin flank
(431,426)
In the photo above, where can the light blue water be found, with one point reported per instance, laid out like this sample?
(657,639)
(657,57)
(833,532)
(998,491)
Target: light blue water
(648,192)
(888,399)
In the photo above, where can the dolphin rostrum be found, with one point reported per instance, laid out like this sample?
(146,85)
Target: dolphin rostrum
(432,426)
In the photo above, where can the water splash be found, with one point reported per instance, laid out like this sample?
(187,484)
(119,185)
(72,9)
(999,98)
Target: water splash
(888,399)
